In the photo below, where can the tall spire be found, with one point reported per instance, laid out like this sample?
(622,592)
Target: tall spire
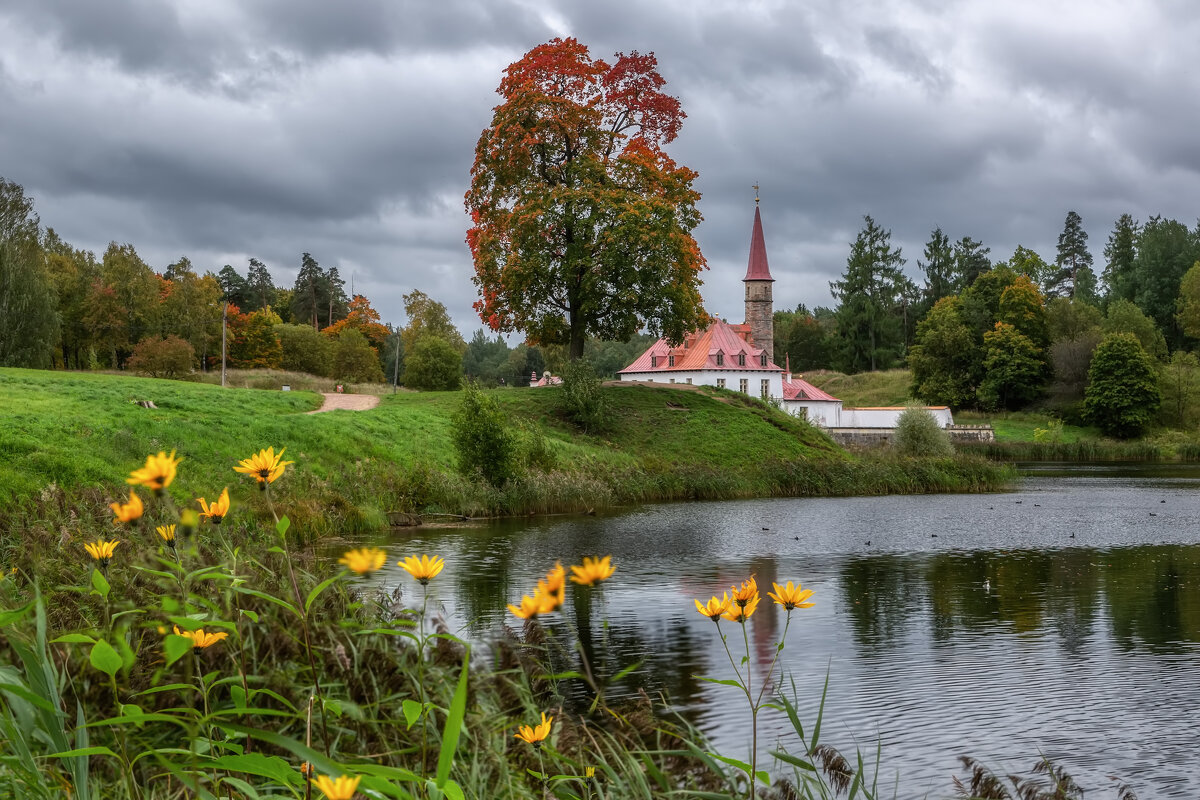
(757,269)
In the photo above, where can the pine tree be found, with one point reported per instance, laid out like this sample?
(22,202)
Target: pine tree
(942,278)
(309,296)
(233,287)
(869,323)
(1119,254)
(970,260)
(260,288)
(1072,256)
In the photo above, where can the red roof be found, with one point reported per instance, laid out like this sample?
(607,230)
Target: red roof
(715,348)
(799,389)
(757,269)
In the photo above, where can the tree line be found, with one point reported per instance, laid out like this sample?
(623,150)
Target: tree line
(1005,334)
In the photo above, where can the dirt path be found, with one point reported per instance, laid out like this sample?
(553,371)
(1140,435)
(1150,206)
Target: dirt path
(347,402)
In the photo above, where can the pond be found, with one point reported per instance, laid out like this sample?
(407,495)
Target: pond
(1061,619)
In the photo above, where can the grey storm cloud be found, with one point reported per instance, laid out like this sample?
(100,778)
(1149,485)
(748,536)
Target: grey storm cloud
(224,130)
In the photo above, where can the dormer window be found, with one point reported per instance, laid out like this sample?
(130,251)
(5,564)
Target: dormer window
(762,359)
(670,361)
(720,359)
(653,362)
(741,359)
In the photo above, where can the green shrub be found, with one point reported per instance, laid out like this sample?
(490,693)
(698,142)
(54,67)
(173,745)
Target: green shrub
(482,438)
(583,401)
(162,358)
(918,434)
(304,349)
(354,359)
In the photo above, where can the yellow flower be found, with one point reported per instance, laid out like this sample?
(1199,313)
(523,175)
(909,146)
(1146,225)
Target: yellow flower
(740,613)
(556,580)
(791,596)
(167,533)
(264,465)
(189,520)
(218,510)
(593,571)
(423,568)
(102,550)
(200,638)
(589,772)
(715,607)
(128,512)
(158,472)
(541,602)
(364,561)
(535,734)
(747,592)
(342,788)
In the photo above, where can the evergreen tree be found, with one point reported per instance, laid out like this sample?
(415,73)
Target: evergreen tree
(233,287)
(1072,256)
(337,301)
(260,288)
(869,323)
(1119,254)
(309,296)
(942,277)
(1166,250)
(970,260)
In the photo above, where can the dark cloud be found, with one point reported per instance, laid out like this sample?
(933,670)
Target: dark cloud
(225,130)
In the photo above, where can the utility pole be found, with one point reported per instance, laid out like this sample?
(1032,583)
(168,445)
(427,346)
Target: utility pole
(396,366)
(224,314)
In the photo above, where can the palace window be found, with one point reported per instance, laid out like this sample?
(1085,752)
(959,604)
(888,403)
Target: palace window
(720,383)
(653,362)
(744,386)
(766,389)
(689,380)
(720,359)
(741,359)
(762,359)
(672,380)
(670,361)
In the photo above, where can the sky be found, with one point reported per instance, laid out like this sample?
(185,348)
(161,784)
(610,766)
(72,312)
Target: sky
(225,130)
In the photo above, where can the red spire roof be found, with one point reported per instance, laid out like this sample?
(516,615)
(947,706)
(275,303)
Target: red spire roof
(757,270)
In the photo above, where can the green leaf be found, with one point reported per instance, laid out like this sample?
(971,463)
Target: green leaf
(105,658)
(626,671)
(73,638)
(100,583)
(176,647)
(316,592)
(454,724)
(453,791)
(272,767)
(721,682)
(9,617)
(270,598)
(788,758)
(562,676)
(282,526)
(412,712)
(743,766)
(253,615)
(84,751)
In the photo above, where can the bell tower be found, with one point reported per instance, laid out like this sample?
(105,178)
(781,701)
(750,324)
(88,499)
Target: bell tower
(760,304)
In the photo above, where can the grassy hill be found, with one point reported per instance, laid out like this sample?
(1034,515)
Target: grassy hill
(81,434)
(865,389)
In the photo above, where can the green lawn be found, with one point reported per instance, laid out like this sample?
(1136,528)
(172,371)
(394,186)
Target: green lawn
(865,389)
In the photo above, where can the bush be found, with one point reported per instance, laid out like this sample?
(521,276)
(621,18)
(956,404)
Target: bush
(162,358)
(433,365)
(918,434)
(583,401)
(354,359)
(1122,396)
(482,438)
(304,349)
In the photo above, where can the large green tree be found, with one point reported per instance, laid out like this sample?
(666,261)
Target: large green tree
(970,260)
(945,361)
(29,328)
(942,278)
(428,317)
(1166,250)
(310,295)
(137,287)
(1073,262)
(581,224)
(1187,305)
(1122,396)
(1014,368)
(1119,254)
(260,287)
(869,318)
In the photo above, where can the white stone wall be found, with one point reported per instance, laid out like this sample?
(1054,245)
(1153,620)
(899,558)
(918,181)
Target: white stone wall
(886,417)
(732,379)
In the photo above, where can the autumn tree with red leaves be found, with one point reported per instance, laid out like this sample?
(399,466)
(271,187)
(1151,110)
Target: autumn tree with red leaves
(581,223)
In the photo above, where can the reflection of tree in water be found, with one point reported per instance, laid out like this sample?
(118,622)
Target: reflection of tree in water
(882,593)
(1153,594)
(483,581)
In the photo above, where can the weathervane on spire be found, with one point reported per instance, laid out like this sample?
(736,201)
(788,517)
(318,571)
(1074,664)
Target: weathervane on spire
(756,194)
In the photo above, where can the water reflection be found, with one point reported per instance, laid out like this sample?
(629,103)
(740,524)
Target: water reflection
(1031,623)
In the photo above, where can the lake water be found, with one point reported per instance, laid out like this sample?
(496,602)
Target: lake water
(1060,619)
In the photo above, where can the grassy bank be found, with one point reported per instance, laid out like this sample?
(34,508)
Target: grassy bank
(68,433)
